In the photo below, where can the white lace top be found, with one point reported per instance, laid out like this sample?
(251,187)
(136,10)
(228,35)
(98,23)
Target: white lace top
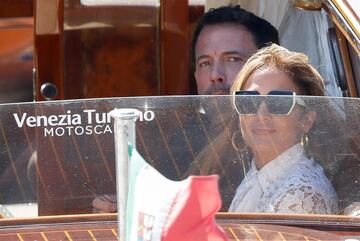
(291,183)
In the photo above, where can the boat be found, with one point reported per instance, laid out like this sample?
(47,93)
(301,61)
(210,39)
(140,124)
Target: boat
(57,146)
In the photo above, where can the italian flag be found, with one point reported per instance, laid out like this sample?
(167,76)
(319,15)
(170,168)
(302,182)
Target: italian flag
(159,209)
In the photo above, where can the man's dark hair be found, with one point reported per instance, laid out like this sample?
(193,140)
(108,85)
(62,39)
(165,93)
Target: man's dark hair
(262,31)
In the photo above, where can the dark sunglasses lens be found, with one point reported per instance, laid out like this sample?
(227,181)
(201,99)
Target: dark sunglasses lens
(247,105)
(277,102)
(279,105)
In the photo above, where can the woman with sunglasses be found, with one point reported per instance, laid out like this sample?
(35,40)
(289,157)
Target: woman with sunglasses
(273,120)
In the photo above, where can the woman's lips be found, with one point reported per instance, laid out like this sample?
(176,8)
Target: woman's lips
(263,131)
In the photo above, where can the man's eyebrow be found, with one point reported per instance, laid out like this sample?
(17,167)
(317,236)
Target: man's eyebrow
(232,52)
(235,52)
(204,56)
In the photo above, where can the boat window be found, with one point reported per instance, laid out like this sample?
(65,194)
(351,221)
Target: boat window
(58,156)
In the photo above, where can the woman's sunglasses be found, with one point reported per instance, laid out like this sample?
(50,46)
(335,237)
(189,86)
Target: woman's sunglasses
(277,102)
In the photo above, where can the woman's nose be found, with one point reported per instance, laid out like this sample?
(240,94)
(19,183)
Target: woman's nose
(263,110)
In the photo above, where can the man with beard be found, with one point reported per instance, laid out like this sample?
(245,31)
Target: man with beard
(222,42)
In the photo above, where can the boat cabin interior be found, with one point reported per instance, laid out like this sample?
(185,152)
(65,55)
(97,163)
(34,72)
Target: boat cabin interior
(90,49)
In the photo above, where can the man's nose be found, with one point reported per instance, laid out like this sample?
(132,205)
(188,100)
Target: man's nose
(217,72)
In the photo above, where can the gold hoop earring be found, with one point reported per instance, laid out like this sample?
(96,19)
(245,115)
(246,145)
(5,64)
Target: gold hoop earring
(243,150)
(304,140)
(237,141)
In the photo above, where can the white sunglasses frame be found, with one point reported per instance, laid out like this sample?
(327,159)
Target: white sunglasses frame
(296,99)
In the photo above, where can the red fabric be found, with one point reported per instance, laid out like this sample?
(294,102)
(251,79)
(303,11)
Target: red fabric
(192,216)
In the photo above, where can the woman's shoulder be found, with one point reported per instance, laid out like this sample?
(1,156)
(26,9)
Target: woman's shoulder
(307,192)
(309,177)
(311,182)
(308,169)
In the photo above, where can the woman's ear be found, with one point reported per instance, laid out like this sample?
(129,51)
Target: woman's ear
(308,121)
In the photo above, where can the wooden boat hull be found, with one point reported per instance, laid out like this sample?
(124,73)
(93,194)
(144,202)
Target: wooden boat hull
(102,227)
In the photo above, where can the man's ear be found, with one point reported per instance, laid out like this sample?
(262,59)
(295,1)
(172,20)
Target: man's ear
(308,121)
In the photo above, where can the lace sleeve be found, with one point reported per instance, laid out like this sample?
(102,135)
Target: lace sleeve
(302,196)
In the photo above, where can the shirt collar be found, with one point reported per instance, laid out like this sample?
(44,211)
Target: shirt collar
(280,166)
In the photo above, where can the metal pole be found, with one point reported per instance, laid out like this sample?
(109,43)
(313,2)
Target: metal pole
(124,130)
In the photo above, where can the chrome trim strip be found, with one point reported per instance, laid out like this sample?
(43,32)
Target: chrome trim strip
(344,24)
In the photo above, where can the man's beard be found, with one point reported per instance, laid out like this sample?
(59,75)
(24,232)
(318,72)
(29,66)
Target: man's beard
(217,89)
(216,108)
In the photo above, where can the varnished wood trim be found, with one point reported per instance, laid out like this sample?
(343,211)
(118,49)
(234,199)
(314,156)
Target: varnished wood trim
(49,52)
(340,225)
(338,222)
(348,15)
(347,64)
(242,217)
(339,19)
(110,217)
(16,8)
(174,47)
